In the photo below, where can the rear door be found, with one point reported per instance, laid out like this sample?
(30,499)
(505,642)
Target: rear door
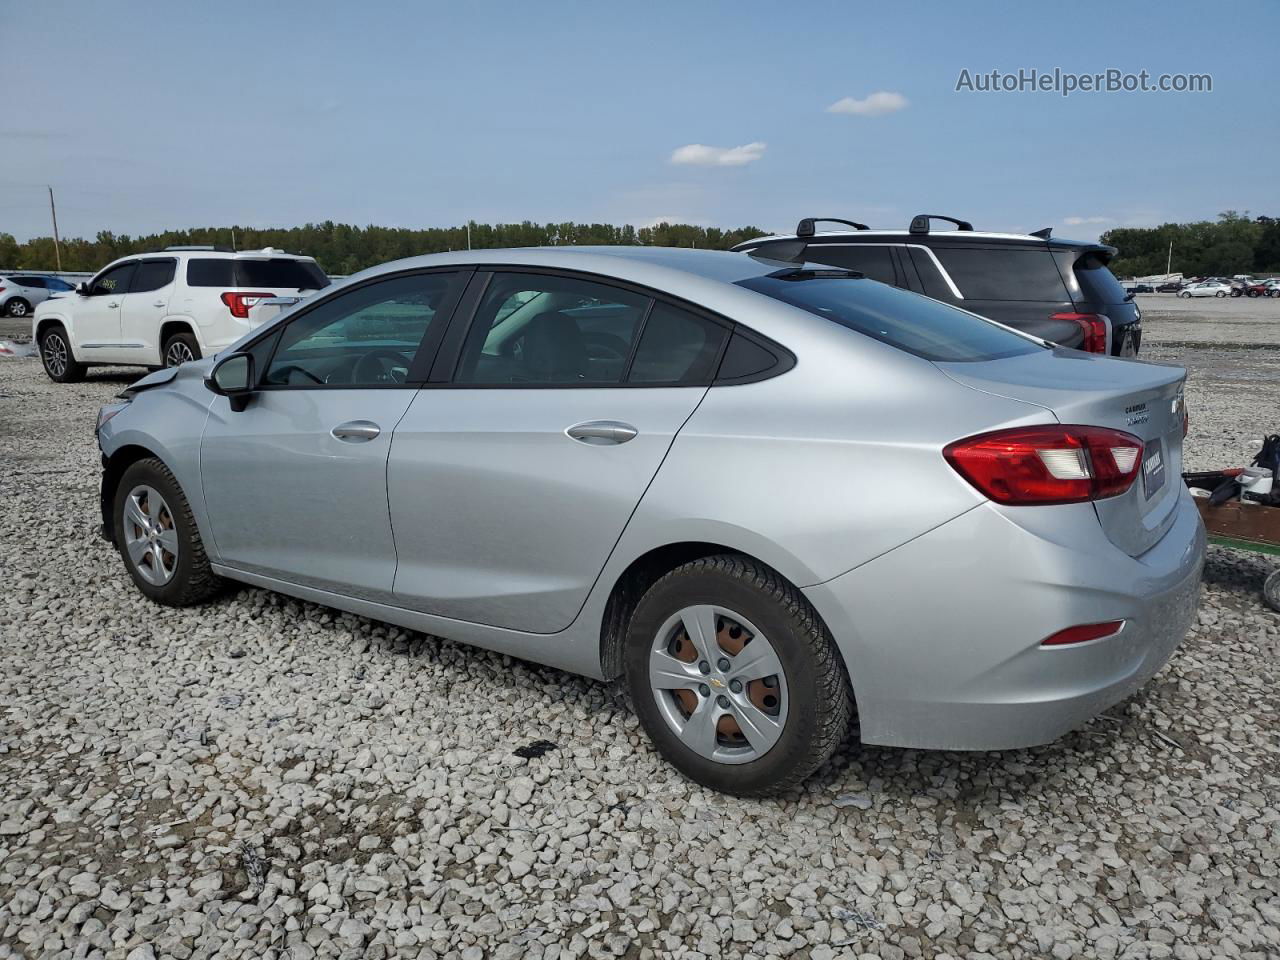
(97,319)
(511,482)
(144,307)
(295,484)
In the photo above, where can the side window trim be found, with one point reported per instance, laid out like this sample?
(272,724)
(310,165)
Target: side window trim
(445,369)
(951,284)
(427,350)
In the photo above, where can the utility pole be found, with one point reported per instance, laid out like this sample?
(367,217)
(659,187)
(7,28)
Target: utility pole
(1168,266)
(468,234)
(57,246)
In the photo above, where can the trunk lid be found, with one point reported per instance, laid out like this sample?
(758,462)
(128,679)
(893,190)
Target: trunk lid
(1140,398)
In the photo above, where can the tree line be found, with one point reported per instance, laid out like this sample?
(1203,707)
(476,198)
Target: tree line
(1232,244)
(343,249)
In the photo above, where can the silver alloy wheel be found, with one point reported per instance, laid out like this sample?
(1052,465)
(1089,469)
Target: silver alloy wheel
(18,308)
(150,538)
(719,684)
(54,352)
(177,354)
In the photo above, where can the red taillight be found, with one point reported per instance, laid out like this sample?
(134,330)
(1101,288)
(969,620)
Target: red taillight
(1044,465)
(239,303)
(1094,326)
(1083,633)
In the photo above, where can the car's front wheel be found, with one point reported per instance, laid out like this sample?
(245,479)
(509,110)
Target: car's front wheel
(56,356)
(156,534)
(735,678)
(17,307)
(1185,295)
(1219,294)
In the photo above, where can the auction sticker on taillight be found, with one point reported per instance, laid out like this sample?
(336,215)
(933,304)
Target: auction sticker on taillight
(1152,472)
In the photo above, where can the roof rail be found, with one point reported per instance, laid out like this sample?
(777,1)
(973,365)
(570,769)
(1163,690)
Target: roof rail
(920,222)
(808,226)
(1044,234)
(207,247)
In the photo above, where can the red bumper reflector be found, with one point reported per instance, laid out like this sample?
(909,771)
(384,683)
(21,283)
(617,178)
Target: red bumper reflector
(1083,633)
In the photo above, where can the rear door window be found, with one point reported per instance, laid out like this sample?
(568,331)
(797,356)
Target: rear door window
(908,321)
(677,347)
(1004,273)
(153,275)
(535,329)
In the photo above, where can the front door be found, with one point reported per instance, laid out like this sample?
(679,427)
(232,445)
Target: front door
(510,486)
(295,484)
(97,316)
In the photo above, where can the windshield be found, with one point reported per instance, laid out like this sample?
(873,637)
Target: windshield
(908,321)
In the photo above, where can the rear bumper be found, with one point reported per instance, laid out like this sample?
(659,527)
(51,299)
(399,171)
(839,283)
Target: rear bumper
(942,635)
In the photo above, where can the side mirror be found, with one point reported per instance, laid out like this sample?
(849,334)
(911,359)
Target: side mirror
(82,288)
(233,377)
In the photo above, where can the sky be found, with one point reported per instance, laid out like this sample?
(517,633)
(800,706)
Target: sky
(148,116)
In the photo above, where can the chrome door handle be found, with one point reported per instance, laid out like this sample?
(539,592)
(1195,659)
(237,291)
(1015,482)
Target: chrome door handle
(601,432)
(356,431)
(157,303)
(113,303)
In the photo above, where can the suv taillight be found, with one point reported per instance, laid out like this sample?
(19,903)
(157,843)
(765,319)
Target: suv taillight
(239,303)
(1094,326)
(1051,464)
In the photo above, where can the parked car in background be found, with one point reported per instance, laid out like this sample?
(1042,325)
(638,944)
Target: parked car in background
(1059,290)
(1139,288)
(1173,286)
(1207,288)
(165,308)
(1263,288)
(21,292)
(670,466)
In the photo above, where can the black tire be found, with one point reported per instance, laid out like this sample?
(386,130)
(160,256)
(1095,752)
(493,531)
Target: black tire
(1271,590)
(193,580)
(820,700)
(1185,295)
(18,307)
(55,354)
(175,343)
(1219,294)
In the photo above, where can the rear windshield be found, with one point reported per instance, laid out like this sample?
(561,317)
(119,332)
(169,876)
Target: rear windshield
(905,320)
(1097,282)
(272,274)
(1006,273)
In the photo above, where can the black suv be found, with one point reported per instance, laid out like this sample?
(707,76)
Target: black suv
(1059,290)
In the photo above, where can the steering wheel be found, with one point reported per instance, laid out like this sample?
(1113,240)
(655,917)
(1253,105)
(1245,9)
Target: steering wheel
(380,366)
(606,346)
(282,374)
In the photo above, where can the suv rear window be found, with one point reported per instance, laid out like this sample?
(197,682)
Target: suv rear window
(908,321)
(1007,273)
(272,274)
(1097,282)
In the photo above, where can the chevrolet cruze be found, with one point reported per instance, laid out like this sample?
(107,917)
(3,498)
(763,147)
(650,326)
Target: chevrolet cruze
(769,496)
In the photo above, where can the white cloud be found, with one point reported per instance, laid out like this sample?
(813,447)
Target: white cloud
(700,155)
(874,105)
(1081,221)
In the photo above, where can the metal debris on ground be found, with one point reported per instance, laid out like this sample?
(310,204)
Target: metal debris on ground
(532,751)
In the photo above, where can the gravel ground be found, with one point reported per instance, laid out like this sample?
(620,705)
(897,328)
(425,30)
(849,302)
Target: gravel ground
(266,778)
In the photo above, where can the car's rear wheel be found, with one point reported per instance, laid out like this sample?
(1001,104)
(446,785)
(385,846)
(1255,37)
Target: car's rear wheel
(735,678)
(1219,294)
(179,349)
(156,534)
(56,356)
(18,307)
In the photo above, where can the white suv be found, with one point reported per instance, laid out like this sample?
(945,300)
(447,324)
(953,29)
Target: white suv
(162,309)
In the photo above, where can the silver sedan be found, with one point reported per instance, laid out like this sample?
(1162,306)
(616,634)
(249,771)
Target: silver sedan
(767,496)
